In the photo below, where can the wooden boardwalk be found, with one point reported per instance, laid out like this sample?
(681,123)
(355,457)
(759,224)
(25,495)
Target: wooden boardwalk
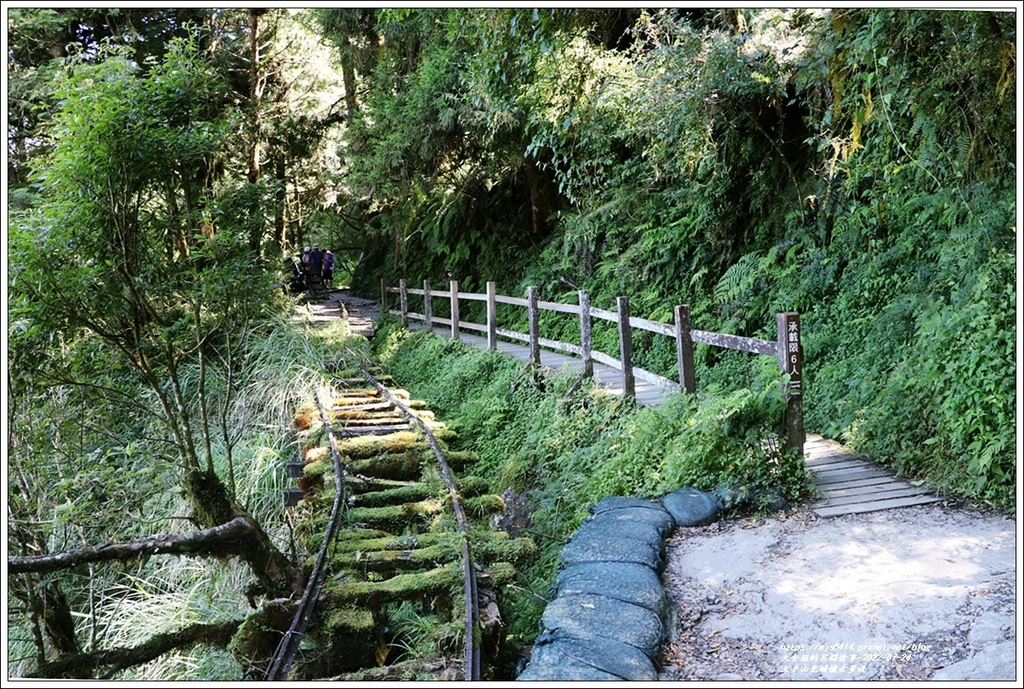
(849,483)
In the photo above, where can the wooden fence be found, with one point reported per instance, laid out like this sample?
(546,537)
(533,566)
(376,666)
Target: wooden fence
(786,348)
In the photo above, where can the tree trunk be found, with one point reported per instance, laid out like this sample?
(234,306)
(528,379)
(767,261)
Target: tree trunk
(348,75)
(241,537)
(543,198)
(228,531)
(256,142)
(281,203)
(55,615)
(255,95)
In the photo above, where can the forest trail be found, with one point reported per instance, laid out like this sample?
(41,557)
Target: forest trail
(848,482)
(918,591)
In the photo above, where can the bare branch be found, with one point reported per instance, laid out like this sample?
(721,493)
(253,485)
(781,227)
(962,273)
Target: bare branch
(229,538)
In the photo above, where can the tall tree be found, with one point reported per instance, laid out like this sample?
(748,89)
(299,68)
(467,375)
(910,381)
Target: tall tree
(39,39)
(139,267)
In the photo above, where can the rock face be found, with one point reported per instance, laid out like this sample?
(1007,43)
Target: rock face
(996,662)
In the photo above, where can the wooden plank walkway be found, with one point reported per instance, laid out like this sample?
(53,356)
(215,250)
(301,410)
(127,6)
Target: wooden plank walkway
(849,483)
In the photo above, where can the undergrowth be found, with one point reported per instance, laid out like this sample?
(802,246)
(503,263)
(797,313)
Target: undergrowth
(564,452)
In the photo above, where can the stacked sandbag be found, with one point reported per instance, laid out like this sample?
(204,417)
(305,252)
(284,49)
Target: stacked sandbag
(609,613)
(692,507)
(608,616)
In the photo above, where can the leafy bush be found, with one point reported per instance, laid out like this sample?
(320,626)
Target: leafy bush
(952,395)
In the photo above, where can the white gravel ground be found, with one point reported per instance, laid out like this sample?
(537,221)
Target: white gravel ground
(919,593)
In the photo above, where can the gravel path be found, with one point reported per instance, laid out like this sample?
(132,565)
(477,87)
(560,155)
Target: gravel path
(919,593)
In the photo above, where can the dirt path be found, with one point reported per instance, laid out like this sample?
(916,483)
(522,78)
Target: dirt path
(340,301)
(918,593)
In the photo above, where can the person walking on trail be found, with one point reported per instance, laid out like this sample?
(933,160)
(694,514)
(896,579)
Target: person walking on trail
(317,260)
(306,261)
(298,279)
(328,268)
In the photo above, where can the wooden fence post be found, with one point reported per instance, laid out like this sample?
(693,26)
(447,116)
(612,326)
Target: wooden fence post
(454,286)
(383,296)
(586,341)
(492,316)
(534,317)
(684,349)
(403,300)
(427,306)
(791,362)
(626,347)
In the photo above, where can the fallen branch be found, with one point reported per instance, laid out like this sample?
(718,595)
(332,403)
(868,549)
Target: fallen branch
(84,665)
(230,538)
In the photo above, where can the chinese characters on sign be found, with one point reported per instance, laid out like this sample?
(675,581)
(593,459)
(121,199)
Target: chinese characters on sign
(791,353)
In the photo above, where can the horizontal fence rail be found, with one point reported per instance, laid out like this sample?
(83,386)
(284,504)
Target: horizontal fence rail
(786,348)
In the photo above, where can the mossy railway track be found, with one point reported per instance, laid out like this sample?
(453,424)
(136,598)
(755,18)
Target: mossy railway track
(406,538)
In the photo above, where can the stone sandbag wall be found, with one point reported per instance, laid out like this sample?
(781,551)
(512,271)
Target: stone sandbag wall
(609,614)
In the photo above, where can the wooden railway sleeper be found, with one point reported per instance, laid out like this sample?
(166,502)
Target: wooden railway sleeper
(396,545)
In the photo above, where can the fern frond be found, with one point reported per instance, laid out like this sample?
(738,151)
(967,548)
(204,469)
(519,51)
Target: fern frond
(738,280)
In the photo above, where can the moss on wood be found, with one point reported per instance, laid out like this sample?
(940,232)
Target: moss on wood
(208,498)
(397,560)
(317,469)
(393,466)
(484,505)
(369,445)
(467,487)
(386,541)
(513,550)
(365,416)
(458,459)
(315,454)
(360,485)
(396,516)
(254,643)
(357,534)
(408,552)
(497,574)
(420,669)
(351,638)
(411,586)
(305,416)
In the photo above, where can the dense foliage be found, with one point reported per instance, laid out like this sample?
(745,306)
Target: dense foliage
(146,378)
(853,165)
(554,453)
